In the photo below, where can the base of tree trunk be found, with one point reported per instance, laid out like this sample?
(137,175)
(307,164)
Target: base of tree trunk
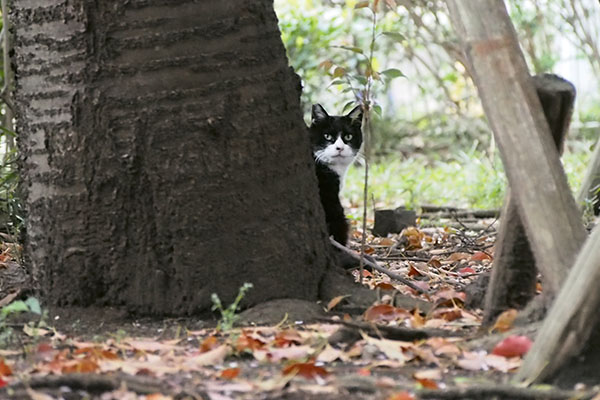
(582,368)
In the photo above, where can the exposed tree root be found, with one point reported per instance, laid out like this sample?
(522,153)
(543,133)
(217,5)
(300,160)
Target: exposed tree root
(91,383)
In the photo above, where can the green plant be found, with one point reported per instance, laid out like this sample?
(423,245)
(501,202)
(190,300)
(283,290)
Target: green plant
(229,314)
(31,305)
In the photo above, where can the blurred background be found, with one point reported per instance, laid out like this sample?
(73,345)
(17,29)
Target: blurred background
(431,143)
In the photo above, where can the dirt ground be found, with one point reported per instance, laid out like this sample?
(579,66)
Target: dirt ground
(289,349)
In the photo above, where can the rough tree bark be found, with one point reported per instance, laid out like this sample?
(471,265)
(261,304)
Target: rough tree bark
(164,154)
(530,158)
(514,273)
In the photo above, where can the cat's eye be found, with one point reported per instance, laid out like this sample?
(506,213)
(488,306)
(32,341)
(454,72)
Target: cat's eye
(327,136)
(348,137)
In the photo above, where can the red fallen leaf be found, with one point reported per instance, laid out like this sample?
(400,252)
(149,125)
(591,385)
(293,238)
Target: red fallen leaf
(44,347)
(369,250)
(307,370)
(364,372)
(401,396)
(385,286)
(5,370)
(246,342)
(513,346)
(366,273)
(384,312)
(466,271)
(79,366)
(434,262)
(208,344)
(428,383)
(480,256)
(448,314)
(97,353)
(413,271)
(229,373)
(3,383)
(287,338)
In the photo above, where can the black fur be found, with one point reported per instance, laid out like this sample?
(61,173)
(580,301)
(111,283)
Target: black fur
(330,175)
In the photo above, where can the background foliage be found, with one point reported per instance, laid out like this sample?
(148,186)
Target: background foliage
(431,143)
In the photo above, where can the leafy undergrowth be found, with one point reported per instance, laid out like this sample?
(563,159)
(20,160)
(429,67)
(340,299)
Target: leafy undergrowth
(468,179)
(326,359)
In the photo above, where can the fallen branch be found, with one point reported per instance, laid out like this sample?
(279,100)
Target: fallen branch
(370,262)
(503,392)
(91,383)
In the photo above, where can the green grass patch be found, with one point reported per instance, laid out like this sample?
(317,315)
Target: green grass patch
(469,180)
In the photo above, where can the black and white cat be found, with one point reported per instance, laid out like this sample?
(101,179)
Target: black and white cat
(335,144)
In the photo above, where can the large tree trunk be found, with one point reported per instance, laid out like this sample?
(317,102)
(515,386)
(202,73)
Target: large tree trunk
(164,154)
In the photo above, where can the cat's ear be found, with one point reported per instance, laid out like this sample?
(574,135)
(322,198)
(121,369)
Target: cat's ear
(318,113)
(356,115)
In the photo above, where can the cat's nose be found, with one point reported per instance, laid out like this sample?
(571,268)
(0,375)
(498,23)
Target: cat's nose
(339,148)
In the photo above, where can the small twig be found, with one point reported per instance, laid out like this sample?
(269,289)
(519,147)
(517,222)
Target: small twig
(373,264)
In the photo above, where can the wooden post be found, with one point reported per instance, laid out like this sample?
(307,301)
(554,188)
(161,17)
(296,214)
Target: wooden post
(513,280)
(537,180)
(572,318)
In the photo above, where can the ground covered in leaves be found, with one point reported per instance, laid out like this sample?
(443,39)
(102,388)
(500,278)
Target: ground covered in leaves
(388,351)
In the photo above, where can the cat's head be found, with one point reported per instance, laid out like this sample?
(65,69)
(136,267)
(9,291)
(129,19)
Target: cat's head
(335,139)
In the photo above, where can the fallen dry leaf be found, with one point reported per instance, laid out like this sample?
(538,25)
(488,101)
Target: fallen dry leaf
(35,395)
(85,365)
(384,312)
(335,301)
(385,286)
(151,346)
(330,354)
(211,357)
(5,370)
(428,383)
(211,342)
(458,256)
(505,321)
(289,353)
(230,373)
(401,396)
(431,373)
(480,256)
(473,361)
(392,349)
(307,370)
(502,364)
